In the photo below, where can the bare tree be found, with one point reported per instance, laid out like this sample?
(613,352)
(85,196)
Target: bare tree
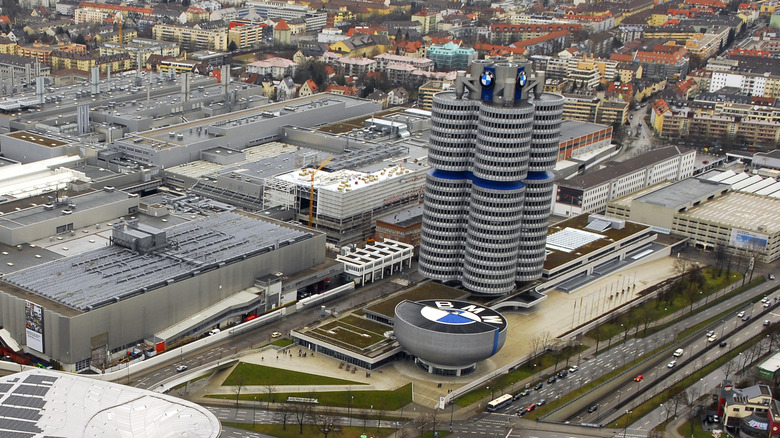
(434,419)
(269,392)
(325,421)
(597,332)
(283,413)
(422,423)
(728,368)
(679,397)
(240,383)
(301,413)
(381,414)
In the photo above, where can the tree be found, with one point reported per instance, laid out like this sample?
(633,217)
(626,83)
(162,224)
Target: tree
(302,413)
(728,368)
(325,421)
(80,39)
(240,383)
(283,413)
(678,396)
(232,46)
(269,391)
(422,423)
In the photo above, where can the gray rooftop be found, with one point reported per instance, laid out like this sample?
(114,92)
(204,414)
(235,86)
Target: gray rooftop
(32,215)
(683,192)
(573,129)
(103,276)
(404,218)
(618,169)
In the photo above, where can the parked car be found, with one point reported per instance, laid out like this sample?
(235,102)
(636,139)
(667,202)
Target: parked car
(593,409)
(276,335)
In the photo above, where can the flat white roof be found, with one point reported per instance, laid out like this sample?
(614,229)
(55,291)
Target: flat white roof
(569,239)
(344,180)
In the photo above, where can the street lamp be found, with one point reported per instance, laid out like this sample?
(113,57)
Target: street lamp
(254,413)
(349,408)
(625,429)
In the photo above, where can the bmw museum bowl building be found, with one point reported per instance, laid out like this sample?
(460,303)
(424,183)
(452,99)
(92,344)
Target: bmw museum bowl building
(448,337)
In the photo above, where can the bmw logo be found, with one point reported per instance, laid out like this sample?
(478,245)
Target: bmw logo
(522,79)
(487,79)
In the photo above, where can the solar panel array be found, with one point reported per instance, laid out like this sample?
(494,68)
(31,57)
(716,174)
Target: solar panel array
(21,402)
(103,276)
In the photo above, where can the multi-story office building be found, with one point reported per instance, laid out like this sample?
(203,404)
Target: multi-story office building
(493,142)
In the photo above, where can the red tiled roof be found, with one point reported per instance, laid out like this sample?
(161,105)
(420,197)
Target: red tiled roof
(281,25)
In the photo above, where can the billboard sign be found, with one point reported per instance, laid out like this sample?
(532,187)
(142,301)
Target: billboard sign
(748,240)
(33,315)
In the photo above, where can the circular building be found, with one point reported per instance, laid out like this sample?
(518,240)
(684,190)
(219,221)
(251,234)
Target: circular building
(448,337)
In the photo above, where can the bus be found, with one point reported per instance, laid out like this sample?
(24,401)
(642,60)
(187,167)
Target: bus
(504,400)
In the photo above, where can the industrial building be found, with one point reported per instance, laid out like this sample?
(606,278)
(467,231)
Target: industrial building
(237,129)
(41,403)
(493,144)
(144,284)
(590,192)
(711,211)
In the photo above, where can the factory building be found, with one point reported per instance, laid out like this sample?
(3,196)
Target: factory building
(84,309)
(493,144)
(717,209)
(184,142)
(590,192)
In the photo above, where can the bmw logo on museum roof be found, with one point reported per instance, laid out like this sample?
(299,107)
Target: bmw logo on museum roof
(460,313)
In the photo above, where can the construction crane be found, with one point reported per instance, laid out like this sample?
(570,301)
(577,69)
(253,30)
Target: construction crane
(119,20)
(311,191)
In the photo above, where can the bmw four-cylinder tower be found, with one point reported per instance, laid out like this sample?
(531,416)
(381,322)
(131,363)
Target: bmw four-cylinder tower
(493,143)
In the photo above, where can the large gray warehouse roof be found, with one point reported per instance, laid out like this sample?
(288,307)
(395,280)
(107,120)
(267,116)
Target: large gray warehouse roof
(103,276)
(683,192)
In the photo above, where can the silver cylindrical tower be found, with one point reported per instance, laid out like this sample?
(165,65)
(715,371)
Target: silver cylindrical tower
(487,200)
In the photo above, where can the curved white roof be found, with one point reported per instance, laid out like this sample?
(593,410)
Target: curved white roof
(43,403)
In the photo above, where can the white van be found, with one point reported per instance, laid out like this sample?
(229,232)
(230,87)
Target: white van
(678,352)
(213,331)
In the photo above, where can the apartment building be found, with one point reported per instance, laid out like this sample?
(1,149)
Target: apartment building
(450,56)
(201,36)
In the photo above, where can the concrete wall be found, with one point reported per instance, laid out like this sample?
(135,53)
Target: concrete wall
(27,152)
(67,339)
(313,139)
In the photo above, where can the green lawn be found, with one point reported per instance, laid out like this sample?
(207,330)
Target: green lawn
(293,430)
(378,400)
(247,374)
(698,430)
(282,342)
